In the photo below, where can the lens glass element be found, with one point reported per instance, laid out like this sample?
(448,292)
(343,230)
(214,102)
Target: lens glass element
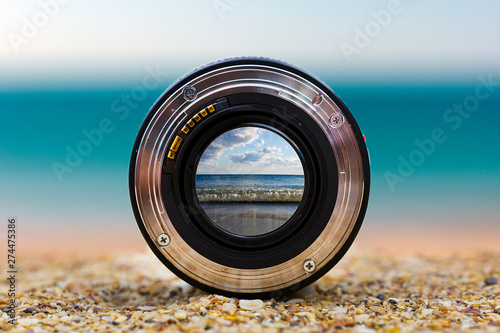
(249,181)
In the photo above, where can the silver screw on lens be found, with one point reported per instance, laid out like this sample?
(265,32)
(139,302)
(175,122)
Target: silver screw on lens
(163,240)
(336,120)
(309,266)
(189,93)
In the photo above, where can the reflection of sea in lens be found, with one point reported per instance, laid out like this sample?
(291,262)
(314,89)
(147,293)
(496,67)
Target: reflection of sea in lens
(249,219)
(243,184)
(259,209)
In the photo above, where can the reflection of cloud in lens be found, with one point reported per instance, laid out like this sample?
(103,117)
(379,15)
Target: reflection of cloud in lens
(254,156)
(271,150)
(260,143)
(280,165)
(266,160)
(229,140)
(251,156)
(270,159)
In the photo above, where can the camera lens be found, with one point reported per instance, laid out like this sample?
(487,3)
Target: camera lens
(249,176)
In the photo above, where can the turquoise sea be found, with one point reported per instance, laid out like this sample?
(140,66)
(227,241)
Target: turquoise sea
(65,152)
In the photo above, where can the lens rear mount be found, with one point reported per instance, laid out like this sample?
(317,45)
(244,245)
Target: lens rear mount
(262,95)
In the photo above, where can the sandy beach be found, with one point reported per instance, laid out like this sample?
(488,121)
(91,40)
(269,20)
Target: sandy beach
(363,293)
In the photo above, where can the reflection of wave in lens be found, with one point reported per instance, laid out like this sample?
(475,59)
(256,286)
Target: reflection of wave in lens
(228,195)
(253,181)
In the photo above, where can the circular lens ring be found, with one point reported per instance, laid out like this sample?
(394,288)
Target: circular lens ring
(263,251)
(268,78)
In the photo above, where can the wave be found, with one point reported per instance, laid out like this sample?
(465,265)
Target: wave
(228,195)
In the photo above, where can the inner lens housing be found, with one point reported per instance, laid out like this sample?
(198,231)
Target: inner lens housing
(221,251)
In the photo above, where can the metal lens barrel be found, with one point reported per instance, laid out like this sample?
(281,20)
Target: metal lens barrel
(231,214)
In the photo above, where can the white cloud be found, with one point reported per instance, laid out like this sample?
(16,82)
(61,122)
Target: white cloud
(260,143)
(266,161)
(254,156)
(229,140)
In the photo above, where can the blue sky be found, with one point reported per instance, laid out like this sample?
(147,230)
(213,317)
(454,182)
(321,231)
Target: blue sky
(250,150)
(102,41)
(400,66)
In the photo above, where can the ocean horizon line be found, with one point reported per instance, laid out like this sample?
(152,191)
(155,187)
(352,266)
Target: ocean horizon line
(248,174)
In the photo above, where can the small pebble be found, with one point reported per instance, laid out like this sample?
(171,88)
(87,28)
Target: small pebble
(65,319)
(393,301)
(229,307)
(180,315)
(147,308)
(380,297)
(77,319)
(489,281)
(121,319)
(254,304)
(295,301)
(31,310)
(27,321)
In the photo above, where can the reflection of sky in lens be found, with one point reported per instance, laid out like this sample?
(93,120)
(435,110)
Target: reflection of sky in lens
(249,150)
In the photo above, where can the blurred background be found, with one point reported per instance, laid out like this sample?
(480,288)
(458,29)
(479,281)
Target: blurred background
(422,79)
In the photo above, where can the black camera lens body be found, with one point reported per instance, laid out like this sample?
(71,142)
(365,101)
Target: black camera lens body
(230,214)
